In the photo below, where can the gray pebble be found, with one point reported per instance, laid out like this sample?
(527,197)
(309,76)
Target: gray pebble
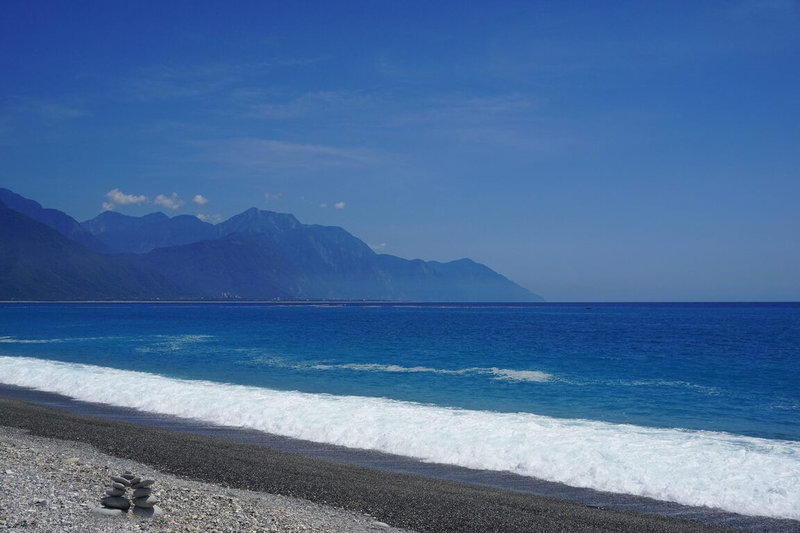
(147,501)
(116,502)
(115,492)
(148,512)
(141,493)
(119,486)
(135,480)
(107,511)
(128,475)
(123,481)
(143,483)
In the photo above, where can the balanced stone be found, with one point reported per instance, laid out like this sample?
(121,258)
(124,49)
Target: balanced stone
(119,486)
(128,475)
(116,502)
(147,501)
(134,480)
(114,491)
(142,492)
(107,511)
(143,483)
(121,480)
(148,512)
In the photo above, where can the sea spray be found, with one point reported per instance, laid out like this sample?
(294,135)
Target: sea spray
(734,473)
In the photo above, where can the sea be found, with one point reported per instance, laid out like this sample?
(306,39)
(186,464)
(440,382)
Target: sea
(697,404)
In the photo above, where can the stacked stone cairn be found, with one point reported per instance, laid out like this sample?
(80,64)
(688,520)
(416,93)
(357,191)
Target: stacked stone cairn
(116,503)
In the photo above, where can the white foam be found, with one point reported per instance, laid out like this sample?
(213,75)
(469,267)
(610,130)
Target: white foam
(505,374)
(740,474)
(172,343)
(14,340)
(520,375)
(375,367)
(678,384)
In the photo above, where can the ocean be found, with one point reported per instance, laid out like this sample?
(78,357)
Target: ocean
(691,403)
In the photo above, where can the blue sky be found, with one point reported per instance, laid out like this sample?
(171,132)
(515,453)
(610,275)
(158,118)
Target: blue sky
(587,150)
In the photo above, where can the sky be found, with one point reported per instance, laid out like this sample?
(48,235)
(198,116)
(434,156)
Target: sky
(590,151)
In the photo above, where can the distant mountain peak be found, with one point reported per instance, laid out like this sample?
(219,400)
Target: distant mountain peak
(16,201)
(156,215)
(255,220)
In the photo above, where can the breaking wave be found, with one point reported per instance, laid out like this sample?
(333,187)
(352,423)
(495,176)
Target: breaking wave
(730,472)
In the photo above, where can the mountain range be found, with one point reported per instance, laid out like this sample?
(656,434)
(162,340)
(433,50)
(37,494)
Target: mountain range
(256,255)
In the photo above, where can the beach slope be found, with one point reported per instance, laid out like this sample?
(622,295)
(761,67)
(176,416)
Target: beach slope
(403,501)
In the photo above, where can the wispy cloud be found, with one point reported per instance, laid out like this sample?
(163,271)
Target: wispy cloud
(211,219)
(515,121)
(59,111)
(271,106)
(51,117)
(490,105)
(230,79)
(168,202)
(117,197)
(540,140)
(270,154)
(166,82)
(337,205)
(470,109)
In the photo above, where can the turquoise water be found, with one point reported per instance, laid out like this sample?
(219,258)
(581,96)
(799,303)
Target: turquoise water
(713,383)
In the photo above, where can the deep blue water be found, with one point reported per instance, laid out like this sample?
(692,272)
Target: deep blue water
(720,367)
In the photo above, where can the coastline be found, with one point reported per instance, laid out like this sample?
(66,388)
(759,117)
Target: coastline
(398,499)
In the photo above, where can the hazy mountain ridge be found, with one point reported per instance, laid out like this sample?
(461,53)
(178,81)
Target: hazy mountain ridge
(266,255)
(58,220)
(123,233)
(38,263)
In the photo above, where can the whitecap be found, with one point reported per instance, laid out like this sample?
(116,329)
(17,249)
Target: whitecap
(535,376)
(171,343)
(14,340)
(504,374)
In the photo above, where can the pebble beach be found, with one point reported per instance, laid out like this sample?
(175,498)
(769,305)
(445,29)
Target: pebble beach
(55,485)
(55,466)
